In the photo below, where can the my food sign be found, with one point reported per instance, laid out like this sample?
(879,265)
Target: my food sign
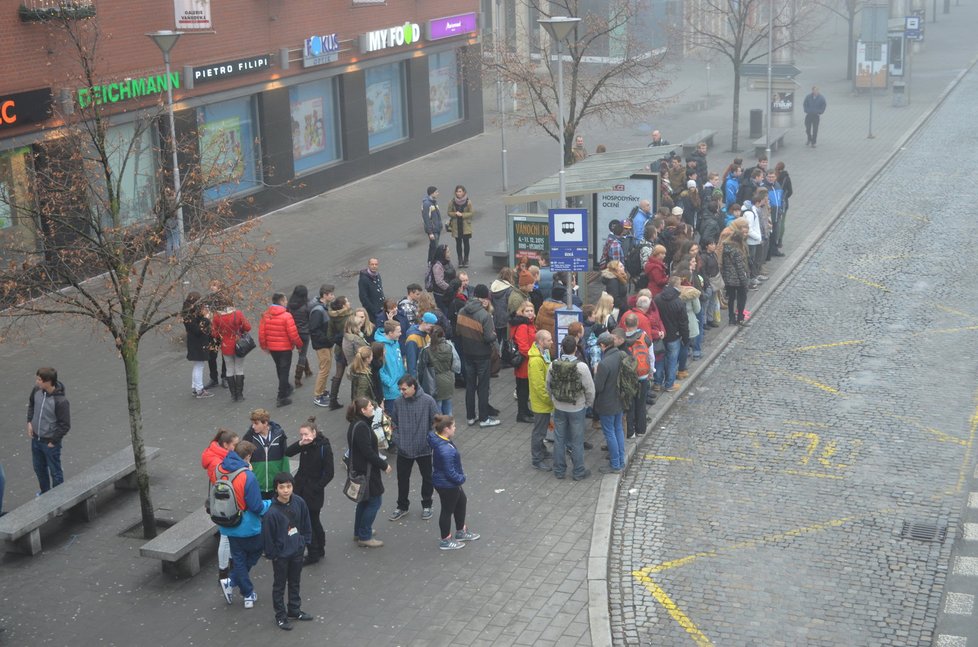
(380,39)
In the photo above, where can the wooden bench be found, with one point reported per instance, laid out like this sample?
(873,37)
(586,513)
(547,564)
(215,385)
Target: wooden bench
(499,255)
(776,138)
(690,143)
(20,529)
(178,547)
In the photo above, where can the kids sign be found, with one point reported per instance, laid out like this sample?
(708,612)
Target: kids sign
(380,39)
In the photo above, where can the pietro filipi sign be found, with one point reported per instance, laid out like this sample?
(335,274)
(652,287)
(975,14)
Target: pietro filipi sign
(228,69)
(379,39)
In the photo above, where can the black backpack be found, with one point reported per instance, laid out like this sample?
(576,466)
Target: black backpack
(633,261)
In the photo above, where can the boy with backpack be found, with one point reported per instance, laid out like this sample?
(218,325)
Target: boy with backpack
(238,514)
(286,530)
(638,347)
(571,389)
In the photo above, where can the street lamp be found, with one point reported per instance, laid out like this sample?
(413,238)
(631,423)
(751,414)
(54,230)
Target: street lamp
(559,27)
(165,40)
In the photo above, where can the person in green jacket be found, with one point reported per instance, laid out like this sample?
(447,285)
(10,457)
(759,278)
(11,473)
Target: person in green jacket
(540,403)
(270,444)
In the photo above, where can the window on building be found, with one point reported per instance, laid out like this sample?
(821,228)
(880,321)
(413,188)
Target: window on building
(386,105)
(315,125)
(132,152)
(230,160)
(14,193)
(445,89)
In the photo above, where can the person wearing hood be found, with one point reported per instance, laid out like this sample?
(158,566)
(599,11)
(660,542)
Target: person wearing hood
(371,289)
(672,311)
(500,292)
(269,457)
(431,219)
(393,368)
(525,287)
(245,538)
(413,415)
(278,335)
(448,477)
(417,340)
(216,452)
(314,474)
(48,420)
(477,336)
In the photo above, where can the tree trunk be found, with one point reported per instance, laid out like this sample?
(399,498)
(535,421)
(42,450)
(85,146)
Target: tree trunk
(736,110)
(130,357)
(851,49)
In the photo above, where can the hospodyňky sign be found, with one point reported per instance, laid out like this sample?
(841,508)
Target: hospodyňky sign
(21,108)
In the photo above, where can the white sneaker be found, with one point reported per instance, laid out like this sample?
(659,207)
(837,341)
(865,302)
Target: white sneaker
(471,422)
(227,589)
(249,601)
(489,422)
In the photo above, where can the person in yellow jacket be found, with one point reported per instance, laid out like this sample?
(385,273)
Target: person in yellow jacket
(540,403)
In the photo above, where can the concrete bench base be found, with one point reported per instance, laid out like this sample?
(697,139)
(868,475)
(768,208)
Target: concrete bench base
(20,529)
(690,143)
(499,256)
(178,547)
(776,140)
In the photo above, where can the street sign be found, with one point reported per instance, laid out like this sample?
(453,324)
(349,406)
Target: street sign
(568,240)
(778,70)
(911,28)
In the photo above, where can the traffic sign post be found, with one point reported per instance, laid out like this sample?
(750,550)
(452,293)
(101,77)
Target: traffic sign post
(568,240)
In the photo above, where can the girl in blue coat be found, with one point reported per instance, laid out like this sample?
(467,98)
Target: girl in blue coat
(447,477)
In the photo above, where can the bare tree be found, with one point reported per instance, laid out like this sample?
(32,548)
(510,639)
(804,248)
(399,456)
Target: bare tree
(97,227)
(610,73)
(738,30)
(848,10)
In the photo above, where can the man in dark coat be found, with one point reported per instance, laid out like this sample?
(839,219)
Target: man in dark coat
(814,106)
(48,420)
(314,474)
(371,289)
(672,311)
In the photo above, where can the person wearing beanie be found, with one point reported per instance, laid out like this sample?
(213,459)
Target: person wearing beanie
(417,339)
(431,218)
(286,531)
(477,337)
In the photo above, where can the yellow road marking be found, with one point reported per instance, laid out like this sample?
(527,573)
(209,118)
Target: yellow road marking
(803,349)
(937,433)
(807,423)
(943,307)
(790,472)
(851,277)
(944,331)
(681,618)
(817,385)
(973,429)
(656,457)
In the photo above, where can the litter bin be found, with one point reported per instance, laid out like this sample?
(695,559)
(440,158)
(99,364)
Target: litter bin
(899,94)
(756,123)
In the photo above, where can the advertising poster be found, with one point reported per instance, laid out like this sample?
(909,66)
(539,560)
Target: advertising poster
(308,129)
(871,71)
(380,107)
(529,240)
(221,156)
(617,204)
(192,14)
(782,102)
(442,93)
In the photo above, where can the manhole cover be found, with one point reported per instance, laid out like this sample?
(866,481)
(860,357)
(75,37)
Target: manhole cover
(919,531)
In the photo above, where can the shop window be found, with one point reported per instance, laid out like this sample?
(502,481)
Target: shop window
(315,126)
(14,193)
(386,105)
(132,152)
(445,89)
(229,149)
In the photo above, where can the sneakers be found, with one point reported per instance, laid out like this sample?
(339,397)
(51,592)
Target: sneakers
(450,544)
(543,467)
(249,600)
(397,514)
(465,535)
(762,277)
(321,401)
(302,616)
(283,402)
(227,590)
(425,514)
(370,543)
(672,389)
(489,422)
(283,623)
(203,393)
(583,476)
(471,421)
(607,469)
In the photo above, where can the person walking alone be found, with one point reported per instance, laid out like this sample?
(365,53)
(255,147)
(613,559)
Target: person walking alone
(278,335)
(814,107)
(48,420)
(460,224)
(431,219)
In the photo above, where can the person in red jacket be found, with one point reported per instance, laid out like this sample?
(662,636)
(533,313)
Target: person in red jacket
(277,335)
(217,451)
(228,324)
(524,332)
(655,269)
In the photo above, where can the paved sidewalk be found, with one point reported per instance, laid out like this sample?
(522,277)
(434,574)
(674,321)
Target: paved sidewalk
(526,581)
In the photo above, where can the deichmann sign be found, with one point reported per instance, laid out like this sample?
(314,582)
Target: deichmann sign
(228,69)
(380,39)
(319,50)
(450,26)
(128,89)
(25,107)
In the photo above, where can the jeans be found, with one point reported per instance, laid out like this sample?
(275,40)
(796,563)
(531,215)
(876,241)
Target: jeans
(778,235)
(811,127)
(477,381)
(671,361)
(541,422)
(453,503)
(47,464)
(712,303)
(286,571)
(683,357)
(245,551)
(197,376)
(614,435)
(697,341)
(569,433)
(755,259)
(445,406)
(363,520)
(325,357)
(404,465)
(283,363)
(637,415)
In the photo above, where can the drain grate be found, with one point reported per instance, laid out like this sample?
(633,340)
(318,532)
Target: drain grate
(919,531)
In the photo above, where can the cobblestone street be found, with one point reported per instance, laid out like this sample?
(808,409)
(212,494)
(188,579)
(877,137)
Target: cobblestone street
(767,508)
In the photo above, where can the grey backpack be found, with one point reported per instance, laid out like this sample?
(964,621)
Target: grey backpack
(222,505)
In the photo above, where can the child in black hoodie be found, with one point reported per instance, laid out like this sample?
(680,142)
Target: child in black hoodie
(286,529)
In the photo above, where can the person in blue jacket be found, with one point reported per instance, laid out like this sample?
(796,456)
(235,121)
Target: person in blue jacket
(393,367)
(245,538)
(447,477)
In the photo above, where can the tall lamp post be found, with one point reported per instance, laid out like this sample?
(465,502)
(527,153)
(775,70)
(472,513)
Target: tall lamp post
(165,40)
(559,27)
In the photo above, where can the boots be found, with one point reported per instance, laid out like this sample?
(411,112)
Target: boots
(334,389)
(308,371)
(239,384)
(233,388)
(299,372)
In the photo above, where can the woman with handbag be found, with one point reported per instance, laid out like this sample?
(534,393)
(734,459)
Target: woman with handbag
(459,225)
(228,327)
(523,332)
(365,459)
